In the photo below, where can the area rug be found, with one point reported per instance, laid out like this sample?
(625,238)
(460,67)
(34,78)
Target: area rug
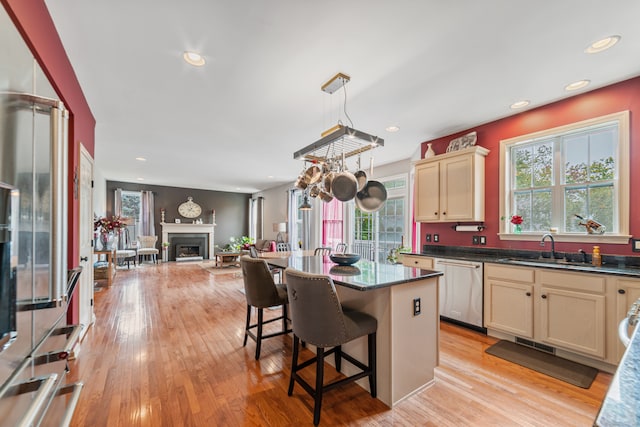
(548,364)
(211,268)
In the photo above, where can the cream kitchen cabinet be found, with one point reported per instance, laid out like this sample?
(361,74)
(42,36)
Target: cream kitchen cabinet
(627,292)
(572,311)
(508,294)
(565,310)
(450,187)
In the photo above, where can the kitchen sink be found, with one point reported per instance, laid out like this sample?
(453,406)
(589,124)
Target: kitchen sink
(555,261)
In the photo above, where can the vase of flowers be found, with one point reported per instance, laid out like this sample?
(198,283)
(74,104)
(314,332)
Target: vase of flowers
(517,220)
(107,229)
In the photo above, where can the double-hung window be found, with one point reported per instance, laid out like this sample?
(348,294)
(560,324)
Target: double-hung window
(558,179)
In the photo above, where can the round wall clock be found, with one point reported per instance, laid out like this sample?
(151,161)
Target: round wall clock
(189,209)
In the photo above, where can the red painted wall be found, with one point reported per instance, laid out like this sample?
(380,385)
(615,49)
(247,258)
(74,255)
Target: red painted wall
(32,19)
(611,99)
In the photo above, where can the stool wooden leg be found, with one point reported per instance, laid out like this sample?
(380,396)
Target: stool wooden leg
(372,364)
(338,356)
(319,381)
(259,334)
(284,317)
(294,364)
(246,326)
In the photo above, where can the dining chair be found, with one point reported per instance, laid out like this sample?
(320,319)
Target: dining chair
(322,251)
(283,247)
(341,248)
(318,318)
(261,292)
(147,248)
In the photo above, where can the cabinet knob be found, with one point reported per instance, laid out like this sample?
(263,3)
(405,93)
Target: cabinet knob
(622,291)
(435,213)
(544,296)
(528,294)
(415,262)
(444,213)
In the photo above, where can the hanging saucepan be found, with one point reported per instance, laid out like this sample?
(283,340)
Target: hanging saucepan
(325,196)
(315,190)
(372,197)
(361,178)
(313,174)
(327,180)
(344,186)
(301,183)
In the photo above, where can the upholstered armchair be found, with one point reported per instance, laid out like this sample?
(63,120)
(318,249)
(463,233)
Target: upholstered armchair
(147,248)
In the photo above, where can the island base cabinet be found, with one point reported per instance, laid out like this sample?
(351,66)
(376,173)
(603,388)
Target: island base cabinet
(407,344)
(573,321)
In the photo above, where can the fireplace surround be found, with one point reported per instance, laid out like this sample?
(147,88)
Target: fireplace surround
(201,235)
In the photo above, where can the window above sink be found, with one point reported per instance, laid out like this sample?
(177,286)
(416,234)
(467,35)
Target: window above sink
(549,178)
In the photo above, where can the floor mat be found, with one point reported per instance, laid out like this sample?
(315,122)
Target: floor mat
(548,364)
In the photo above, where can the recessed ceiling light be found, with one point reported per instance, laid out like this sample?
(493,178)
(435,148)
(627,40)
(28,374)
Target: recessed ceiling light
(194,59)
(520,104)
(141,159)
(577,85)
(140,179)
(270,176)
(602,44)
(392,129)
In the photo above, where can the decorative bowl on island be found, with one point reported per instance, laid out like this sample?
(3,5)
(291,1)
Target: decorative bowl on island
(344,259)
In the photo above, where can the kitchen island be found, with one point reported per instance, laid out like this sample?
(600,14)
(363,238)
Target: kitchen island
(404,301)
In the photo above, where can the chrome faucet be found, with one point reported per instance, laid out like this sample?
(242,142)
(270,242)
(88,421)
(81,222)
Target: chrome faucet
(553,244)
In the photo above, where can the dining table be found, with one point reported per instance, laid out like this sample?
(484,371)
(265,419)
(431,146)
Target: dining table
(404,300)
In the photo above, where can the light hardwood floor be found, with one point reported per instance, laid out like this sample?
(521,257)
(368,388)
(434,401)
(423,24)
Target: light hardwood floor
(166,350)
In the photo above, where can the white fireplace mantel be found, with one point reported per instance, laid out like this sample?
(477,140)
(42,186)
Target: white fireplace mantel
(171,228)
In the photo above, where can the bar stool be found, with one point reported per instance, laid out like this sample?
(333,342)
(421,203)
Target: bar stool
(318,318)
(261,292)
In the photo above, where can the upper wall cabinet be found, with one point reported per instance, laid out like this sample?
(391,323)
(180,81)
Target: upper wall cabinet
(450,187)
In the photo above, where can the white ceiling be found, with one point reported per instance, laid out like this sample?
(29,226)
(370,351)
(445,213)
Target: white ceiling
(431,67)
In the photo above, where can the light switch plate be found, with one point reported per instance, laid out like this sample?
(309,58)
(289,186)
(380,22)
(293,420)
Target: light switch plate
(483,240)
(436,237)
(635,245)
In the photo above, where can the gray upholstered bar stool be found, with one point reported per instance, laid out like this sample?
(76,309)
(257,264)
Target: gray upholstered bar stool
(261,292)
(318,318)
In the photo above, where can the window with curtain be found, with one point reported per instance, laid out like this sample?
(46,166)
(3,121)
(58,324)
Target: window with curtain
(332,223)
(577,170)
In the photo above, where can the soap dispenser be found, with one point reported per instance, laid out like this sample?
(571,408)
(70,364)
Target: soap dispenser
(596,258)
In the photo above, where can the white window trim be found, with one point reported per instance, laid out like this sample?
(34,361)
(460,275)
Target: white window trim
(622,237)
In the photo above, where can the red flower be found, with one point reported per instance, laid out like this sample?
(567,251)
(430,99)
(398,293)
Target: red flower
(516,219)
(106,225)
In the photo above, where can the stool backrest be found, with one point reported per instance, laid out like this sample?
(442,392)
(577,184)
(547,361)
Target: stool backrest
(259,287)
(283,247)
(316,312)
(322,251)
(253,252)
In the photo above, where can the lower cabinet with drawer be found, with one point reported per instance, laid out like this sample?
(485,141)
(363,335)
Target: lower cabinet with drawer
(565,310)
(417,261)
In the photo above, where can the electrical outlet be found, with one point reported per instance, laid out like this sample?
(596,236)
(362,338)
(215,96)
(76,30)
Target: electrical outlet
(476,240)
(436,237)
(635,245)
(483,240)
(417,309)
(427,238)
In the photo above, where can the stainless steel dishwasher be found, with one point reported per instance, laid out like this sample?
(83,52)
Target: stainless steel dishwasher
(461,292)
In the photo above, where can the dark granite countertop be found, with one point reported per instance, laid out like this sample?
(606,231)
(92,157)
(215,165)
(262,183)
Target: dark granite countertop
(621,405)
(611,264)
(362,276)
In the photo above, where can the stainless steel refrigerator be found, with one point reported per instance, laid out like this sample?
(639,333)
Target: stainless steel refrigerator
(36,284)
